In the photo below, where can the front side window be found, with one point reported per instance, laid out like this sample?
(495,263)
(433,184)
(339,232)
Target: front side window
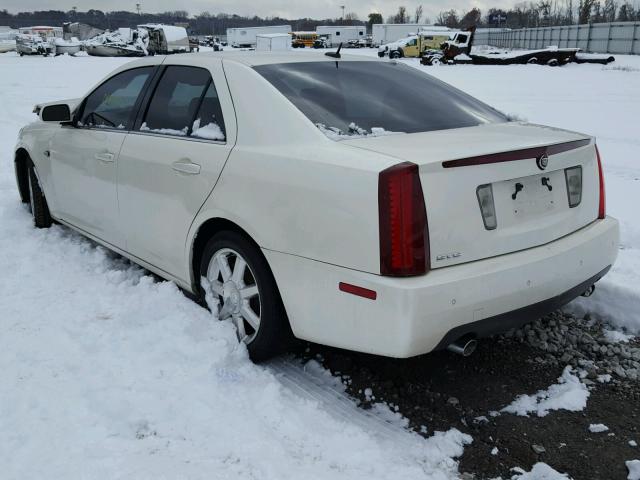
(111,105)
(185,103)
(364,98)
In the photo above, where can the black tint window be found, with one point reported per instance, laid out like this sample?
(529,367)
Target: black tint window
(111,104)
(176,100)
(373,98)
(209,123)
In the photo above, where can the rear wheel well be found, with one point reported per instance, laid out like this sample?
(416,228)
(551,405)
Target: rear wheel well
(22,162)
(204,234)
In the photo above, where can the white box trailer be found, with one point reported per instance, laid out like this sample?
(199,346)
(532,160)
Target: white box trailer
(383,33)
(271,42)
(247,37)
(337,34)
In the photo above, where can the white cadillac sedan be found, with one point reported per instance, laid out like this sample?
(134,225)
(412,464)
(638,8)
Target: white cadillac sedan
(350,202)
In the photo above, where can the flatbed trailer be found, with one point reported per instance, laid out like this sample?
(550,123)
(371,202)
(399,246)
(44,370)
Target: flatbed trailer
(548,56)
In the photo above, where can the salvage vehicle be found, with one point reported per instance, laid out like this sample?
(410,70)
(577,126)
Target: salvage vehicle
(33,45)
(270,185)
(417,45)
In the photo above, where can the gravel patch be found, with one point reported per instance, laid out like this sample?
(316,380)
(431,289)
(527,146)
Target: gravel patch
(440,391)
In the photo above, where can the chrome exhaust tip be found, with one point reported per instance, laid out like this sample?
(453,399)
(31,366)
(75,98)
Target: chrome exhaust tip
(463,346)
(589,291)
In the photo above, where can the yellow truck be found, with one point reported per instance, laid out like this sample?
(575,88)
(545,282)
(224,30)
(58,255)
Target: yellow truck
(415,46)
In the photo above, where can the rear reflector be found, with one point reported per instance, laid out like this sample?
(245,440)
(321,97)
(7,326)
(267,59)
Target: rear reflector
(404,240)
(602,206)
(359,291)
(487,206)
(573,177)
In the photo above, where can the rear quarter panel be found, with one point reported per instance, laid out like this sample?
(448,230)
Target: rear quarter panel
(290,187)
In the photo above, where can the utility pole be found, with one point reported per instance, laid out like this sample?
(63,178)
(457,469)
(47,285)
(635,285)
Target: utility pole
(342,7)
(138,8)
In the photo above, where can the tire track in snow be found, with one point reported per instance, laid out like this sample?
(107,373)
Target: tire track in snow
(337,403)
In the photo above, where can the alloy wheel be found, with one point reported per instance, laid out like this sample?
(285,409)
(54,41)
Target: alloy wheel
(234,285)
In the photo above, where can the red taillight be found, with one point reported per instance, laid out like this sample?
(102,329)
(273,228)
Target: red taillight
(404,239)
(602,208)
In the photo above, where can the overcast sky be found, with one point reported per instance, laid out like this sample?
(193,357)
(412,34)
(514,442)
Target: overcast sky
(263,8)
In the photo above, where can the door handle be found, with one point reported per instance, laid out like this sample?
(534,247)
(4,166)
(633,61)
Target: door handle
(106,157)
(185,166)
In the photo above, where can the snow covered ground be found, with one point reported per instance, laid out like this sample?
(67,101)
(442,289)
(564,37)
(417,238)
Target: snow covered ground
(108,373)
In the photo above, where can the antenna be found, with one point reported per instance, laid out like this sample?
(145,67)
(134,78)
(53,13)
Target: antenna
(335,54)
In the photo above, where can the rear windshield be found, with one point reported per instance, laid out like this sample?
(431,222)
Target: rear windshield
(347,99)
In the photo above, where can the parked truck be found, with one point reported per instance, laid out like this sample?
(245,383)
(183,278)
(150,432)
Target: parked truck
(384,33)
(416,46)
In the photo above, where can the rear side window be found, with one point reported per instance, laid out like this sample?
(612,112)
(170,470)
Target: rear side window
(111,105)
(347,99)
(209,123)
(185,103)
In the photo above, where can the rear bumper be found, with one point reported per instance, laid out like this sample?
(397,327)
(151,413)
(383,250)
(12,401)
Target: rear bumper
(413,316)
(519,317)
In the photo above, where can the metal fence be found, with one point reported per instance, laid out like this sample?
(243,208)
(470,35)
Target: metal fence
(619,37)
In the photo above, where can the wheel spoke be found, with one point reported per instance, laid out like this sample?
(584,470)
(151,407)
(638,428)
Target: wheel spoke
(223,265)
(249,315)
(239,322)
(238,271)
(249,292)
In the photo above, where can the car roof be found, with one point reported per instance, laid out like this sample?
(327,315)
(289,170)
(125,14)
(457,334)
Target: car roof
(251,58)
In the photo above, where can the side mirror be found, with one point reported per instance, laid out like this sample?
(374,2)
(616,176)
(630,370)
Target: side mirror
(58,113)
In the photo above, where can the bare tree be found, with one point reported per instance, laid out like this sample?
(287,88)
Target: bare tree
(448,18)
(418,14)
(610,10)
(401,16)
(471,18)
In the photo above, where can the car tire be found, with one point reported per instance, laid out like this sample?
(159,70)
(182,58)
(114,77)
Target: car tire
(395,54)
(273,333)
(37,201)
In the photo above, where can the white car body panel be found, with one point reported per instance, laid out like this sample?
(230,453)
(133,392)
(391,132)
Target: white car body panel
(521,224)
(412,315)
(311,205)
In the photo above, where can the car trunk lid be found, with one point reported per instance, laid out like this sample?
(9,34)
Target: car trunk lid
(530,196)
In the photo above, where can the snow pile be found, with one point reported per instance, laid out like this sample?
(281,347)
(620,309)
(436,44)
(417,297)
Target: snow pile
(354,131)
(540,471)
(616,336)
(165,131)
(568,394)
(108,373)
(210,131)
(634,469)
(598,428)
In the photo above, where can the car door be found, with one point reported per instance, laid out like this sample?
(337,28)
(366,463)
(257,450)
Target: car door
(171,161)
(411,48)
(84,156)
